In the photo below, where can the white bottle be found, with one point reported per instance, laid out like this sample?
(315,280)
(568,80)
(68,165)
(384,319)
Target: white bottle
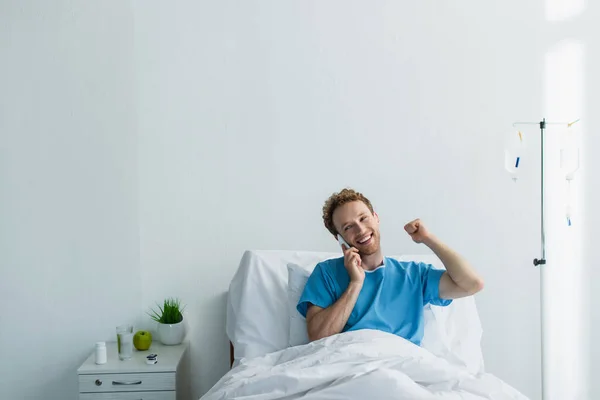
(101,353)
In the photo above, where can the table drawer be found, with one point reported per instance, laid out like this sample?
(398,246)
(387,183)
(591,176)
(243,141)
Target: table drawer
(100,383)
(128,396)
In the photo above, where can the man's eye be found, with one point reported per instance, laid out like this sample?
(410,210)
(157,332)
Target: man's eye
(348,227)
(363,218)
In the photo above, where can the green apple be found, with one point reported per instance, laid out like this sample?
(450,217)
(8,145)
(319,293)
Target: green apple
(142,340)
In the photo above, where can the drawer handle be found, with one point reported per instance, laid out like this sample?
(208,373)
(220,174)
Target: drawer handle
(127,383)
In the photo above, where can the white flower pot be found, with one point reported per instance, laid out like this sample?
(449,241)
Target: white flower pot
(171,334)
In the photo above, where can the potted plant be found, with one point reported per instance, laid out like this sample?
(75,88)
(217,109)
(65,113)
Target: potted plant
(169,316)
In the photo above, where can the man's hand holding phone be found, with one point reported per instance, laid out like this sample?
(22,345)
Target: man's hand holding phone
(352,262)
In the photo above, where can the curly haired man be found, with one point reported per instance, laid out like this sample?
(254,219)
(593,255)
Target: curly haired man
(365,290)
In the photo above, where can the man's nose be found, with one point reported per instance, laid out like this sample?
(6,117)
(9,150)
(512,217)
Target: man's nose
(361,228)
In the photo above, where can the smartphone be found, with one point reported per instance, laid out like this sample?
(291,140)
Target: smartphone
(341,241)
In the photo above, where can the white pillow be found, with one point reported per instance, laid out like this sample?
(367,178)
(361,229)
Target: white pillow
(452,332)
(297,277)
(257,305)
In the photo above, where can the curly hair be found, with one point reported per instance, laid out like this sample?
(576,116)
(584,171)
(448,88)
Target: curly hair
(339,199)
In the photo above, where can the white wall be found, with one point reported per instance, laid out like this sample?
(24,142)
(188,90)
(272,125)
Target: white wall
(249,115)
(69,259)
(252,113)
(591,198)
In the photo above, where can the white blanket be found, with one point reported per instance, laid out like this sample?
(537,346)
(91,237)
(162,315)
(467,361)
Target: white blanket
(363,364)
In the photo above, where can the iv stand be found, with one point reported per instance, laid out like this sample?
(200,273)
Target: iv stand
(542,124)
(542,261)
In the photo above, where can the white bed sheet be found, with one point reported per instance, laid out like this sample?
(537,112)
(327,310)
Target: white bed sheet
(364,364)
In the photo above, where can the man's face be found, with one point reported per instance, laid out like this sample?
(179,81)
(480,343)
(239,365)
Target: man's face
(358,226)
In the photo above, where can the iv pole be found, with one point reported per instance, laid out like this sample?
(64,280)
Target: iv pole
(542,124)
(542,260)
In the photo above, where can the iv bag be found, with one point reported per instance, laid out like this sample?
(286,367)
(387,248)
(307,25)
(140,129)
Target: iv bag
(569,164)
(569,152)
(514,147)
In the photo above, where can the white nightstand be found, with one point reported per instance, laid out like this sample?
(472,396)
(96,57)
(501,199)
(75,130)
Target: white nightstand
(134,379)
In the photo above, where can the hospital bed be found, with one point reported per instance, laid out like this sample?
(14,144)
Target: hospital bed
(272,358)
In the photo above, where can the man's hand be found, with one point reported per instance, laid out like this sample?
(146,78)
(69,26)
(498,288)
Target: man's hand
(417,231)
(353,263)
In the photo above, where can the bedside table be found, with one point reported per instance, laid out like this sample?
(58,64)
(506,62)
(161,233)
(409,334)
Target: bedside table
(133,379)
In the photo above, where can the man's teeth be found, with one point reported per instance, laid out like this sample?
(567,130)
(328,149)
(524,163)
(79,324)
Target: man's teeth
(365,240)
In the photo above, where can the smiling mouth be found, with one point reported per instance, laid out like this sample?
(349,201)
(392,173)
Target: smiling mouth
(366,240)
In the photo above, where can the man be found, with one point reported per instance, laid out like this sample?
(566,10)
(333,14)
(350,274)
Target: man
(365,290)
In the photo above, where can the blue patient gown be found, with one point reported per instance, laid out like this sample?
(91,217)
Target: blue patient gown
(391,299)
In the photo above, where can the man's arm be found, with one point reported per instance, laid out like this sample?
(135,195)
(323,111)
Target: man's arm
(323,322)
(460,279)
